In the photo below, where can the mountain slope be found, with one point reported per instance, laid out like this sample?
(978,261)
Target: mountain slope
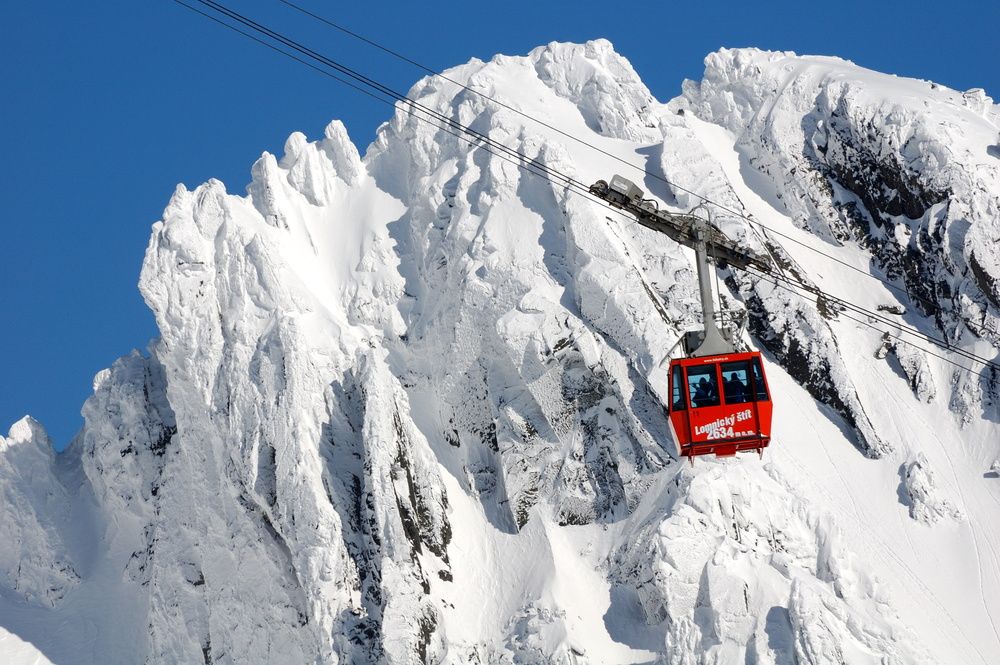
(406,407)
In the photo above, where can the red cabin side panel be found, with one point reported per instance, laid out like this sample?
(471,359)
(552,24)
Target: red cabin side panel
(726,422)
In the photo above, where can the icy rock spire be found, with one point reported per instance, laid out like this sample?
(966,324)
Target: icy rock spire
(35,563)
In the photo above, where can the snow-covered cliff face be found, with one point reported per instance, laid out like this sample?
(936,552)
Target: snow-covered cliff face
(906,169)
(407,407)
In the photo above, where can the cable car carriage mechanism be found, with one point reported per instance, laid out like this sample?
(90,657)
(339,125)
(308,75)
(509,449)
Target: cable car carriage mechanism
(719,398)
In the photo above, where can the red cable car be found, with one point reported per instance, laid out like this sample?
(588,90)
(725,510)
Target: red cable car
(719,404)
(719,400)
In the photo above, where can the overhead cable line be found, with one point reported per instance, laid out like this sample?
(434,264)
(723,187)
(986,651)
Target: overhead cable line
(878,316)
(572,137)
(382,89)
(278,50)
(390,97)
(791,286)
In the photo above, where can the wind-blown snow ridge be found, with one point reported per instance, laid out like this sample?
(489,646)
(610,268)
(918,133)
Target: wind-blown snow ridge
(406,407)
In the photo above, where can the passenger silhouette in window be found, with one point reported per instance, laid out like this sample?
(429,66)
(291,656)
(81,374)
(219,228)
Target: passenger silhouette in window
(705,393)
(736,390)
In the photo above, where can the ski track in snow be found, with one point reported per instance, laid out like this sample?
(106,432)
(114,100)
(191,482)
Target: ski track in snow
(976,530)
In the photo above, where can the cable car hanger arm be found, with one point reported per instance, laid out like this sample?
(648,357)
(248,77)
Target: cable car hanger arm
(682,228)
(691,231)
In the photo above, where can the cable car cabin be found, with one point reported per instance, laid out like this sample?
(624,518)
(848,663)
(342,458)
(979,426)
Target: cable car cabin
(719,404)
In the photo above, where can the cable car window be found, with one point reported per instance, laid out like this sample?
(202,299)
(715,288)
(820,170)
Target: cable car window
(702,386)
(758,380)
(736,383)
(677,389)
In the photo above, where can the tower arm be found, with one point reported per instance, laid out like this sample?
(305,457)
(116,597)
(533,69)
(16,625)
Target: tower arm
(682,228)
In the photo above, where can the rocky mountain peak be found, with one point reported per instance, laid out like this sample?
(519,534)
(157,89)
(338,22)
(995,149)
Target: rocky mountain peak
(408,407)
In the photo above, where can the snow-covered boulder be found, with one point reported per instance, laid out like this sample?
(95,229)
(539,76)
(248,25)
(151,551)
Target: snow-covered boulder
(927,501)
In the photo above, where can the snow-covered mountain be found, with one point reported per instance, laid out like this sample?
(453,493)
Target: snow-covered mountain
(406,407)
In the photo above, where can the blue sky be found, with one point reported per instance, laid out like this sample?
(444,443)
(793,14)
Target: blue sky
(106,106)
